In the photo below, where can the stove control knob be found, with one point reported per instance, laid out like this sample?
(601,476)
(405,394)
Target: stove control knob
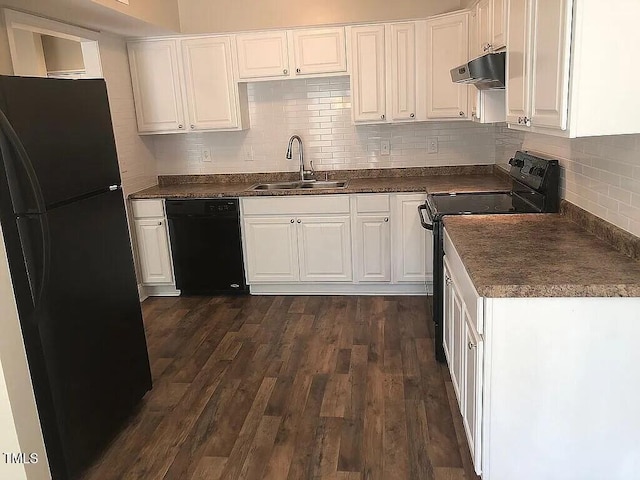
(516,162)
(539,171)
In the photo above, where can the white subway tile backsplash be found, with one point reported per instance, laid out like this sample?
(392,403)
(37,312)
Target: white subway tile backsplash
(319,110)
(599,174)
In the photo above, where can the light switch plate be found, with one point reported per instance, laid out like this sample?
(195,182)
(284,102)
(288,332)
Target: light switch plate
(206,154)
(385,147)
(432,145)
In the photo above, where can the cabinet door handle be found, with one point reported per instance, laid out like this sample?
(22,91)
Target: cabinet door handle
(447,279)
(285,71)
(193,127)
(159,223)
(382,116)
(462,114)
(292,221)
(299,221)
(298,70)
(471,345)
(412,115)
(180,126)
(386,219)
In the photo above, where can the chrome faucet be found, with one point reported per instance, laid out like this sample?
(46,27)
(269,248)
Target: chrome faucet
(305,175)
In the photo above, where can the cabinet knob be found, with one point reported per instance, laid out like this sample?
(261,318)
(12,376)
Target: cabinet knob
(193,127)
(412,115)
(386,219)
(298,70)
(526,120)
(471,345)
(461,114)
(159,223)
(299,221)
(180,126)
(285,71)
(382,116)
(447,279)
(292,221)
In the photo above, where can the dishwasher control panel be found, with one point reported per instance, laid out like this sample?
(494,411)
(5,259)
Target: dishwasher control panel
(217,207)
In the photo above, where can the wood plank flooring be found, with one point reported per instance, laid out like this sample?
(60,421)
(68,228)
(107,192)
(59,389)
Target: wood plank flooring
(288,388)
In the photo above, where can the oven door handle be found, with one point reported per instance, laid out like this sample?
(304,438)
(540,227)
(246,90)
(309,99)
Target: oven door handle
(428,226)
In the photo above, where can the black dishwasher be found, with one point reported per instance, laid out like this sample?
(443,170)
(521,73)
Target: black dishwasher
(206,246)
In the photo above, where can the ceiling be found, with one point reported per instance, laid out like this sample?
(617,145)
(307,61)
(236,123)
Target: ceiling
(95,16)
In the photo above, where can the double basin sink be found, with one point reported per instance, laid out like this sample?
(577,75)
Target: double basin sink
(300,185)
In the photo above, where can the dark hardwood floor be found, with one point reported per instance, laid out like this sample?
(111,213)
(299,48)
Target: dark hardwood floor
(341,388)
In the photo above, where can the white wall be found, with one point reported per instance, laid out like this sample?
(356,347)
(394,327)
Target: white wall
(599,174)
(61,54)
(202,16)
(19,425)
(135,155)
(319,110)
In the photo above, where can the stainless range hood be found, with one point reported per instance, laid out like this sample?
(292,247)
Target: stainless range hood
(486,72)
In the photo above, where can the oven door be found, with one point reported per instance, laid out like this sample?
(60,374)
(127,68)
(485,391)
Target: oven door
(433,222)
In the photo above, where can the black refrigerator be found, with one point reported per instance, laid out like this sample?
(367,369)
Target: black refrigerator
(64,226)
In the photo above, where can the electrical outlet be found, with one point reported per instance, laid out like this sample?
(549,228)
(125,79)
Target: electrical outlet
(385,147)
(432,145)
(206,154)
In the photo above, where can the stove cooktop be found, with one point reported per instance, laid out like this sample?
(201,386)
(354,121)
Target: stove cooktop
(478,203)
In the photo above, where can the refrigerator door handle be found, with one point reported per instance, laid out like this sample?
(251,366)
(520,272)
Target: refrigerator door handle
(11,150)
(36,252)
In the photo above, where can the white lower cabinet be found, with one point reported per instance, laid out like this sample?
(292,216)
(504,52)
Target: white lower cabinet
(152,243)
(336,244)
(544,383)
(471,418)
(463,347)
(271,249)
(413,252)
(324,249)
(372,242)
(289,240)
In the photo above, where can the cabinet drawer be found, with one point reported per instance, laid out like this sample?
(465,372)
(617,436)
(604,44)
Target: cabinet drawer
(296,205)
(372,203)
(467,290)
(147,208)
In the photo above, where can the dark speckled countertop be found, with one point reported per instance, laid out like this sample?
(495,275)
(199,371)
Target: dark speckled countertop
(460,181)
(540,256)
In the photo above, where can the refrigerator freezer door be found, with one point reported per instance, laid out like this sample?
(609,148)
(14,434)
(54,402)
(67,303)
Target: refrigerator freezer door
(66,131)
(89,327)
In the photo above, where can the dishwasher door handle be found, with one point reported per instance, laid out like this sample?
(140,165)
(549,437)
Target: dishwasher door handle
(428,226)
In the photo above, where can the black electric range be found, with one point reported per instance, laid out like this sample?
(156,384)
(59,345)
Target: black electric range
(535,188)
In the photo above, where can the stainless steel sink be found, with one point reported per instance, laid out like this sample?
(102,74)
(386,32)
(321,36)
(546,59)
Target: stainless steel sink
(300,185)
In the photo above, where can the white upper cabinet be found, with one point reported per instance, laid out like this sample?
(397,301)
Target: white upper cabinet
(186,84)
(384,66)
(212,99)
(319,50)
(447,48)
(498,24)
(484,33)
(367,63)
(264,54)
(551,30)
(518,66)
(401,45)
(556,49)
(156,82)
